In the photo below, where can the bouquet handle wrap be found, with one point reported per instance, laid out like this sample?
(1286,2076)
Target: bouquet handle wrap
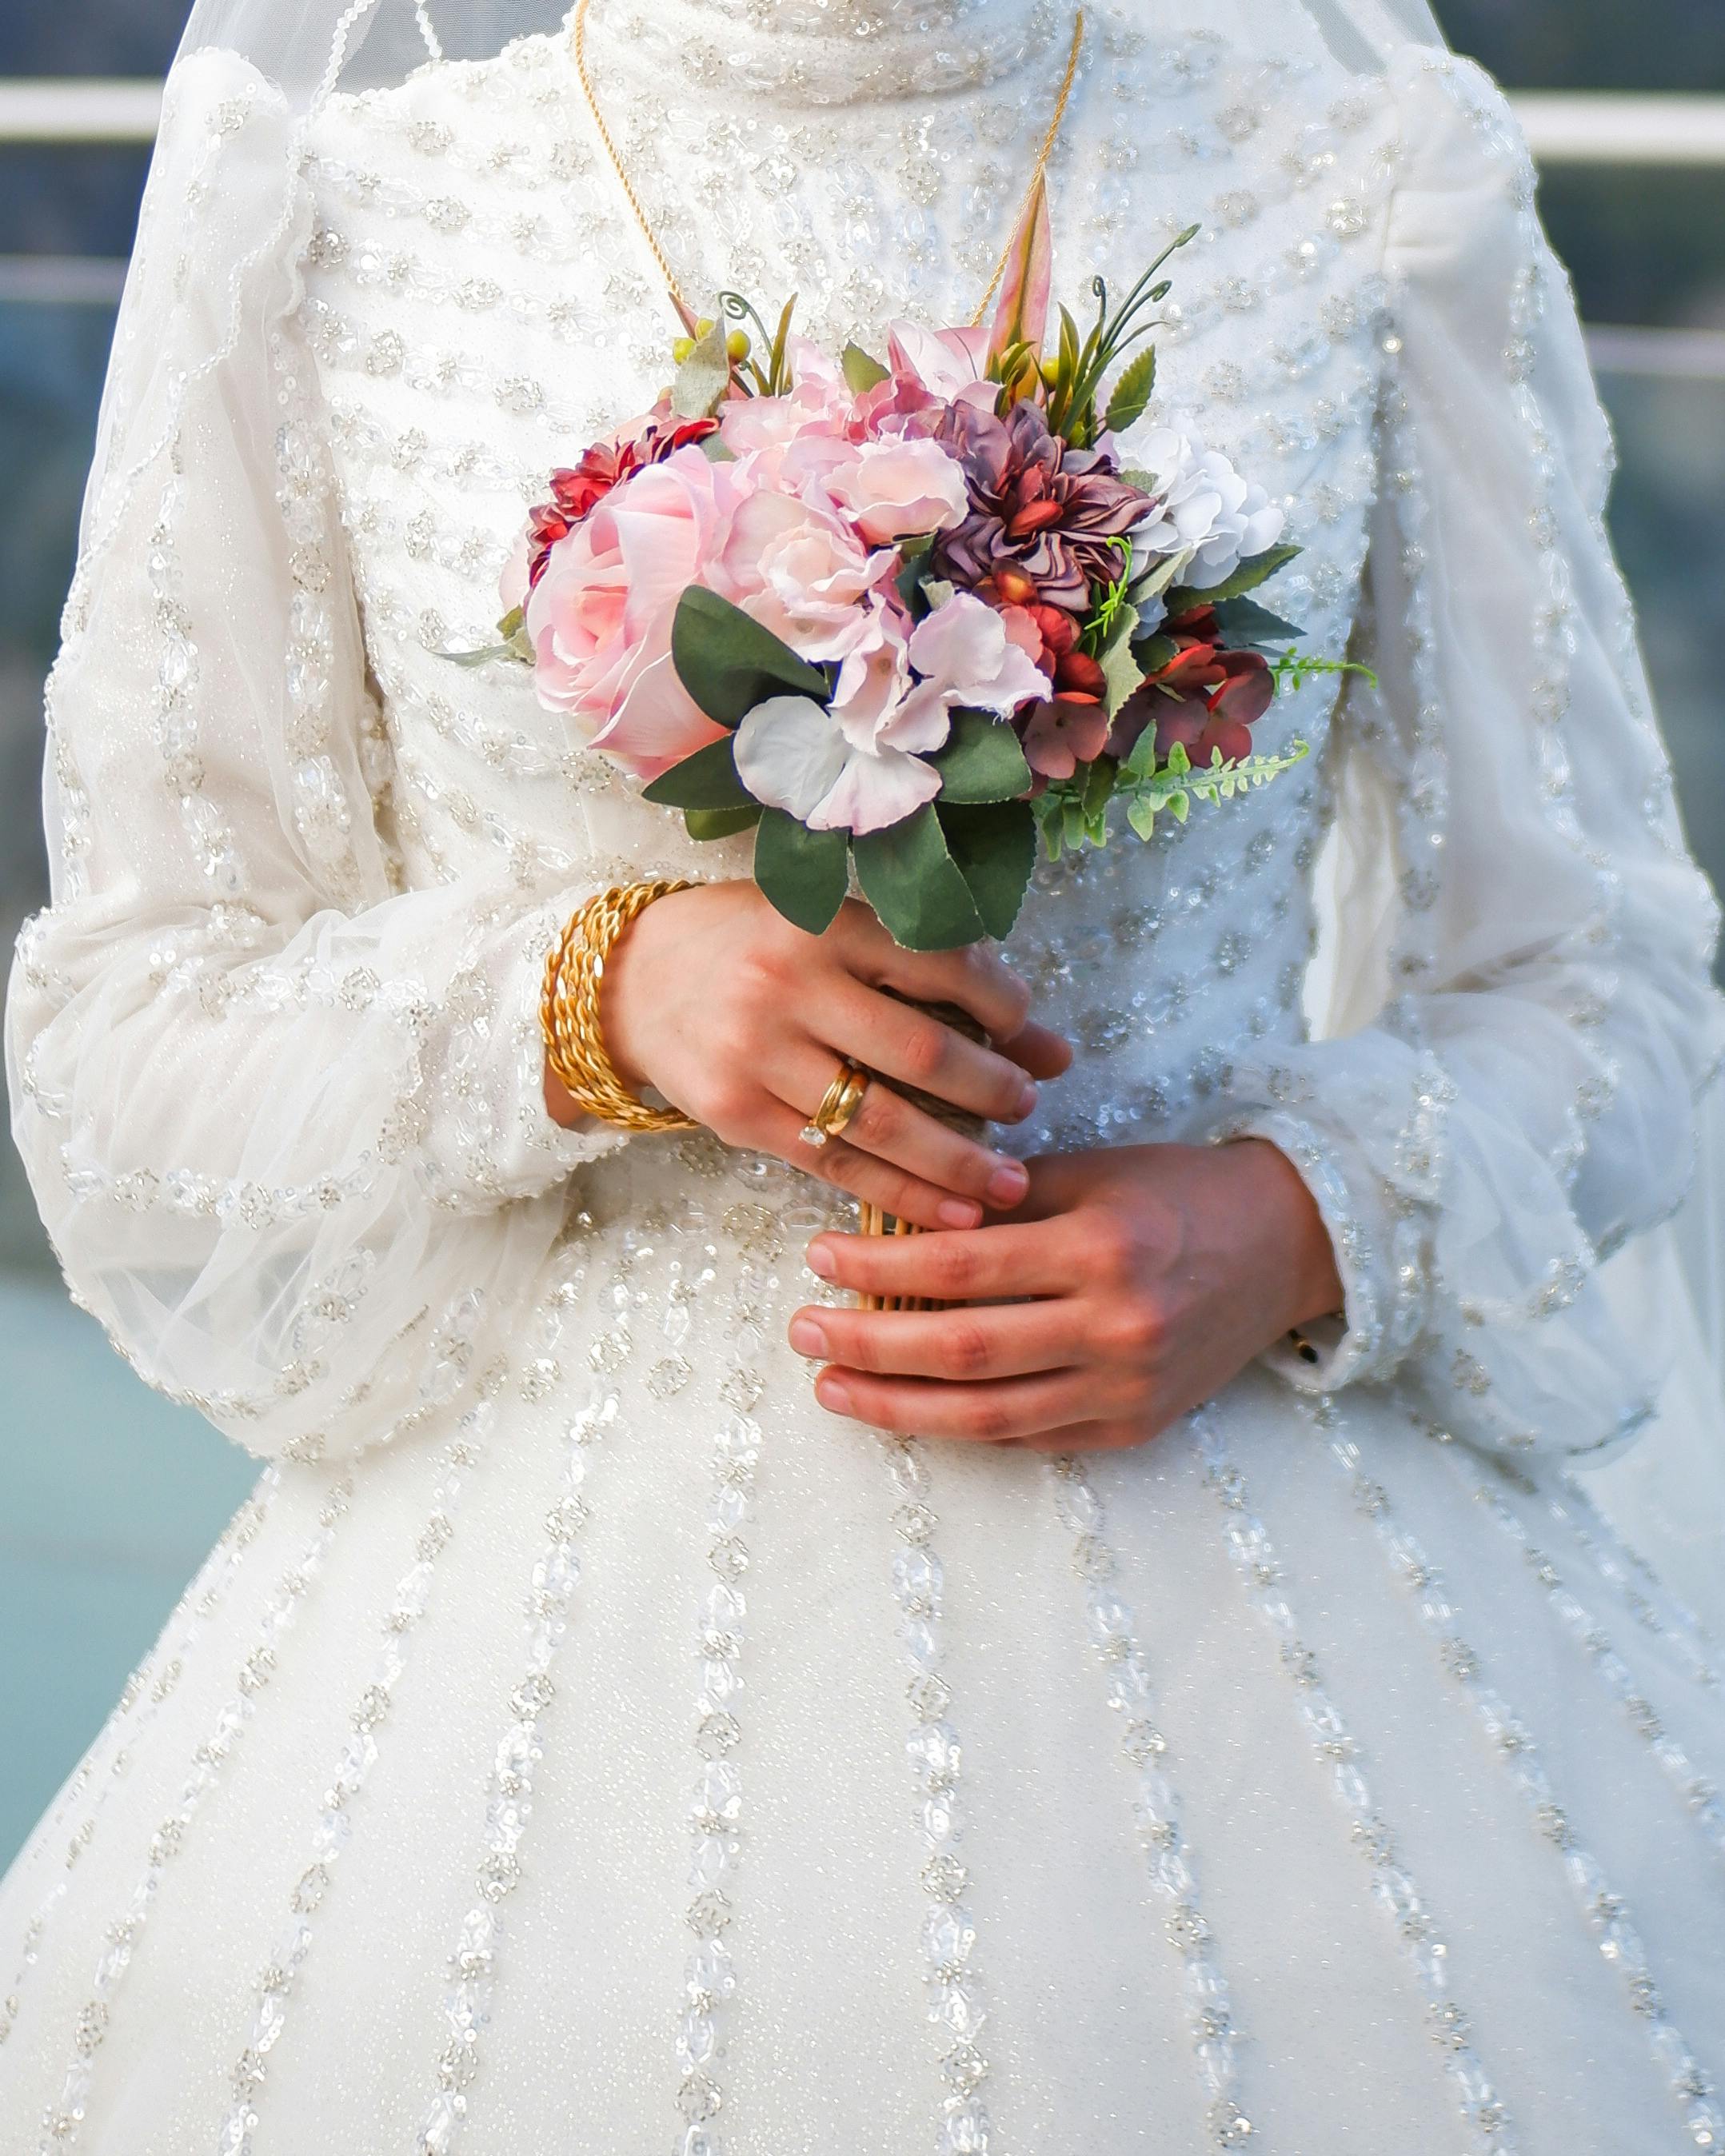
(873,1220)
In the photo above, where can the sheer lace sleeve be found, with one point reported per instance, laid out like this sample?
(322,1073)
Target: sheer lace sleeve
(283,1119)
(1523,1100)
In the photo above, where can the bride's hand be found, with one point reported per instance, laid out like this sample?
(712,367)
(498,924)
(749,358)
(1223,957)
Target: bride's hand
(741,1020)
(1158,1273)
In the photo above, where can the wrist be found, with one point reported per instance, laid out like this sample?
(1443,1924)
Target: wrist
(1293,1219)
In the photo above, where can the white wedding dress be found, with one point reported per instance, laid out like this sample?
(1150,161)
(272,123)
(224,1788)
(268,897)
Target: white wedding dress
(580,1741)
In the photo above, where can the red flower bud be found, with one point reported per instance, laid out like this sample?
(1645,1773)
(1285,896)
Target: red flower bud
(1078,672)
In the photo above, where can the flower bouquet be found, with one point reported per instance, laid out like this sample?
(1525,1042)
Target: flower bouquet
(900,616)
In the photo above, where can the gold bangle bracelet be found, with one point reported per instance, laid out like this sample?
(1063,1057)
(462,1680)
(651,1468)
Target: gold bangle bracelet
(569,1009)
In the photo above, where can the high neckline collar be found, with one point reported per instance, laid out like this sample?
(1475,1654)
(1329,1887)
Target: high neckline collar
(827,52)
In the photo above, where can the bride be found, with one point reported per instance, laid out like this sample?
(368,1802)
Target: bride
(1180,1697)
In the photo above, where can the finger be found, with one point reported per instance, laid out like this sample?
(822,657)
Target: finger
(976,978)
(978,1414)
(1014,1340)
(1009,1262)
(865,1175)
(913,1047)
(1039,1052)
(889,1127)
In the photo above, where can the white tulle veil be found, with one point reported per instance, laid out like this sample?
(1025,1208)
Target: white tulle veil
(302,51)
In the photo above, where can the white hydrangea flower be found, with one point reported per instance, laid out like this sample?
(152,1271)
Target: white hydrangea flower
(1206,509)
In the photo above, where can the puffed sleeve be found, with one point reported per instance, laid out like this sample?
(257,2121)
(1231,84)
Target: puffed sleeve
(282,1118)
(1523,1100)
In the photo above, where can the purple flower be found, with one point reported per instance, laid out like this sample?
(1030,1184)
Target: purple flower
(1043,516)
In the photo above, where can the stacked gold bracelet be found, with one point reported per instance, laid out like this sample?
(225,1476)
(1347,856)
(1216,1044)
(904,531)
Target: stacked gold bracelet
(569,1009)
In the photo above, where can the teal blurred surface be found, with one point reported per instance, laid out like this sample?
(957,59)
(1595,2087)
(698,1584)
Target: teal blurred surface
(112,1497)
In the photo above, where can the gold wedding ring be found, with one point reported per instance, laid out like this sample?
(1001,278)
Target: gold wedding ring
(838,1109)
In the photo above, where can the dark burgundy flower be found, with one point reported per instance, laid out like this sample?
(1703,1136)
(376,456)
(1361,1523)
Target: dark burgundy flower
(1043,516)
(1204,698)
(1060,733)
(576,490)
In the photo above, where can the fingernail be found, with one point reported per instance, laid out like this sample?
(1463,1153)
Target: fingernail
(1028,1100)
(834,1395)
(821,1261)
(1009,1183)
(808,1338)
(958,1212)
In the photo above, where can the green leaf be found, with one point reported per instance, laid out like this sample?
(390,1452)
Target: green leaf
(1257,569)
(721,823)
(1244,622)
(1122,668)
(982,760)
(1141,814)
(1154,653)
(802,872)
(489,654)
(995,849)
(703,380)
(1140,764)
(1099,787)
(707,779)
(915,887)
(775,371)
(729,663)
(863,372)
(1132,392)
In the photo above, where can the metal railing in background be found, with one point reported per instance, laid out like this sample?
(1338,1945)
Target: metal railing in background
(1563,128)
(1584,127)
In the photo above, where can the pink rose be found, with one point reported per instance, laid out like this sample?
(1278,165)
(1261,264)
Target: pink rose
(798,567)
(900,488)
(600,617)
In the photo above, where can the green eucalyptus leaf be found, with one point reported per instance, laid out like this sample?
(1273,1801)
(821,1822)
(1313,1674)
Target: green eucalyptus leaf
(721,823)
(982,760)
(910,878)
(703,381)
(995,849)
(729,663)
(803,873)
(1132,392)
(707,779)
(1141,814)
(1245,623)
(863,372)
(1256,569)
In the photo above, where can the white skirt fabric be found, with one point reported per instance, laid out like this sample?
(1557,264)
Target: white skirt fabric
(639,1759)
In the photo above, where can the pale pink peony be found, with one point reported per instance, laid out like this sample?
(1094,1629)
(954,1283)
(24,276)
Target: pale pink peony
(903,489)
(796,565)
(600,617)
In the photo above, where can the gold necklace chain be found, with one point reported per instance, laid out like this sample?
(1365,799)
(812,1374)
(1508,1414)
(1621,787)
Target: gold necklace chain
(1038,175)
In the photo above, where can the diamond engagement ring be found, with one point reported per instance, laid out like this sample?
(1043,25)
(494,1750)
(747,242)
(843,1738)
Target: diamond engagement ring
(837,1110)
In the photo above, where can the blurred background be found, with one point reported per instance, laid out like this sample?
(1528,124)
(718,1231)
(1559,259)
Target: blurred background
(108,1498)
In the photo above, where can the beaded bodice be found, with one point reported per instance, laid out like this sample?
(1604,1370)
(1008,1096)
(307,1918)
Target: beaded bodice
(481,304)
